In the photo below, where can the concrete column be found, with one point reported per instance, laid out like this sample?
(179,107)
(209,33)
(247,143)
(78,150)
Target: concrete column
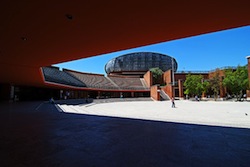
(180,85)
(248,67)
(12,92)
(173,83)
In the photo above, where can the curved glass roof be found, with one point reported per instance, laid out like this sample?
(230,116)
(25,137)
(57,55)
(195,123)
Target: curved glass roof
(140,61)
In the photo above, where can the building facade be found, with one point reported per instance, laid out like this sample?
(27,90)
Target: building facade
(177,89)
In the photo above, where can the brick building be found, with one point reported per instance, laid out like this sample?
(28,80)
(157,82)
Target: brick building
(177,89)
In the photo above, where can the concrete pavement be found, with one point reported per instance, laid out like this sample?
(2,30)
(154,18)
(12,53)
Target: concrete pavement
(230,114)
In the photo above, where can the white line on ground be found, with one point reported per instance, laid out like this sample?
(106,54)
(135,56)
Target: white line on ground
(39,105)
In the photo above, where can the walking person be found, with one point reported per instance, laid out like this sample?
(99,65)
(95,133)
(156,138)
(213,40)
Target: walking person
(172,100)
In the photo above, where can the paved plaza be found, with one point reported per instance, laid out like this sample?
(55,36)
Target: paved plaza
(220,113)
(125,134)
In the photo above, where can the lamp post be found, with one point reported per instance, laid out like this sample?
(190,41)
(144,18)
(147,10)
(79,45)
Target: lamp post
(173,93)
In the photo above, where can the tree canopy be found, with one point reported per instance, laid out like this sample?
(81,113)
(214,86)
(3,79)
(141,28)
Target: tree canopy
(236,81)
(157,75)
(195,85)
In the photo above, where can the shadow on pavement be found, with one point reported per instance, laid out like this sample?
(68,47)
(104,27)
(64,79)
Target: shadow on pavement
(42,136)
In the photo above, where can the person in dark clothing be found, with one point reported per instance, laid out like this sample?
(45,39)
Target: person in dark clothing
(172,100)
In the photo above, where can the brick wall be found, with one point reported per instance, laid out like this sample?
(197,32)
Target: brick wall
(148,78)
(167,77)
(154,92)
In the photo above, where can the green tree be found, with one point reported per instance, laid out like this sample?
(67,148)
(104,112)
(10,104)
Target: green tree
(195,85)
(157,75)
(206,86)
(214,84)
(236,80)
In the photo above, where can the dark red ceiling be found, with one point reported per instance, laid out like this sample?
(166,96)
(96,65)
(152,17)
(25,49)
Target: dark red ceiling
(40,32)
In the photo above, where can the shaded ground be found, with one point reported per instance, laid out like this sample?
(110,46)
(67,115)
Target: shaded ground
(36,134)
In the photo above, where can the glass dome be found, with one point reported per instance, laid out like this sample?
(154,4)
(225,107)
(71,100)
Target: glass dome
(140,61)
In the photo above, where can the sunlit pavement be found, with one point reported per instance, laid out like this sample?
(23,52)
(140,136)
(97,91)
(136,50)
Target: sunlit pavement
(37,134)
(231,114)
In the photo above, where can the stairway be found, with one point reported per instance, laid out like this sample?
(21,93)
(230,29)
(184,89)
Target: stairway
(164,96)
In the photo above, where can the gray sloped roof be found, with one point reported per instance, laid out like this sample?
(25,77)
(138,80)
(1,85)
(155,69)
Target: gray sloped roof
(53,74)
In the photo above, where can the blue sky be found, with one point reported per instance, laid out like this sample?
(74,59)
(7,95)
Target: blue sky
(199,53)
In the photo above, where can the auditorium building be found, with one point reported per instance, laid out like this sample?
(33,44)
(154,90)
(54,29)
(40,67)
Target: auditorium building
(127,76)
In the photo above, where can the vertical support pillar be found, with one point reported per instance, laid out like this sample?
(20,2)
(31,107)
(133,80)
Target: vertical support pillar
(12,92)
(180,85)
(173,84)
(61,94)
(248,67)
